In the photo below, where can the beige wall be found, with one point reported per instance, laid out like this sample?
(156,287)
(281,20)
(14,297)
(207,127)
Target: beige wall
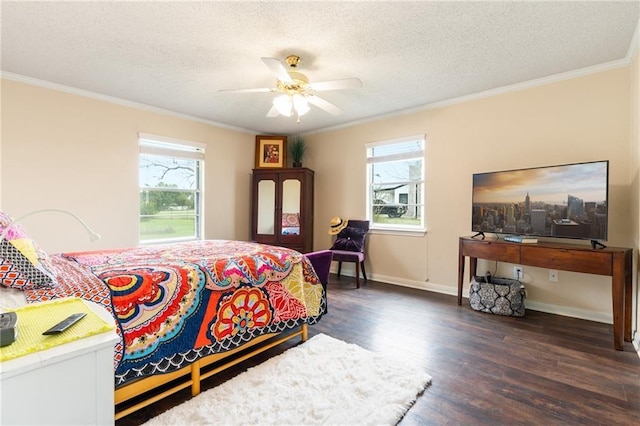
(60,150)
(581,119)
(635,179)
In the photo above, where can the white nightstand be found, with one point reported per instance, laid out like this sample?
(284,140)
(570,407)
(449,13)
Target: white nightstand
(70,384)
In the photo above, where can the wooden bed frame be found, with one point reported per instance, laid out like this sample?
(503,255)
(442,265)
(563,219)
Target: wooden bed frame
(192,375)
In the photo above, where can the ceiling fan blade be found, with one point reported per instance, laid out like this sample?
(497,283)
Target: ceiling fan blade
(261,90)
(345,83)
(278,69)
(322,104)
(273,112)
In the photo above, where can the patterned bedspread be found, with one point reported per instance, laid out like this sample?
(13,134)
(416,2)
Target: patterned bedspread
(176,303)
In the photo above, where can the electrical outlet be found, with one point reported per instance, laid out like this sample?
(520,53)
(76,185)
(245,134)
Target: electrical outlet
(553,275)
(518,272)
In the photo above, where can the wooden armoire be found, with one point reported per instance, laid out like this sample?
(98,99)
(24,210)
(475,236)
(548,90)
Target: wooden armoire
(282,207)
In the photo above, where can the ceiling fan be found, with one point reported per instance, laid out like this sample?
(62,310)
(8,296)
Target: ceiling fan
(296,90)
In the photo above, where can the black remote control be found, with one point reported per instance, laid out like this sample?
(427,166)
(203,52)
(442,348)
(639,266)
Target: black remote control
(65,323)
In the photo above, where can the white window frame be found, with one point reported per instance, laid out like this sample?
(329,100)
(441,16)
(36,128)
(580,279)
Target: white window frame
(372,159)
(175,148)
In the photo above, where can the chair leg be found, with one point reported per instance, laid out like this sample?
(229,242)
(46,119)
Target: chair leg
(339,267)
(364,273)
(357,274)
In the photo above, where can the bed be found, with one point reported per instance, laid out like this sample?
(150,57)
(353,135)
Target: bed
(184,311)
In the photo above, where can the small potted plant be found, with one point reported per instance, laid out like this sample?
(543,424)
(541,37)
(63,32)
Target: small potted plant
(297,149)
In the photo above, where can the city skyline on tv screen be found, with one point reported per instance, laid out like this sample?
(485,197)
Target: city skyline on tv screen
(557,201)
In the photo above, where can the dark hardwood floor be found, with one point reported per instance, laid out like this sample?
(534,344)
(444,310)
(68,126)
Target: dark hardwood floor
(486,369)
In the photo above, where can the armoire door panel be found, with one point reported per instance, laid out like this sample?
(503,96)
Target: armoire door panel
(282,207)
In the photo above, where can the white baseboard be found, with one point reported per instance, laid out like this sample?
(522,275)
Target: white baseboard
(636,342)
(603,317)
(437,288)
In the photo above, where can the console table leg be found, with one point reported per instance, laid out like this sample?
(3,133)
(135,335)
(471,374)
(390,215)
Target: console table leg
(460,275)
(628,296)
(473,267)
(627,308)
(618,296)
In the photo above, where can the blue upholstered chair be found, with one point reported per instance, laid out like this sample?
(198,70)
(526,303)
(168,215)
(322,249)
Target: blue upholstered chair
(350,247)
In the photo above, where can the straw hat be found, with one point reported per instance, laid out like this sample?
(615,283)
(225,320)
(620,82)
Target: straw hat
(337,225)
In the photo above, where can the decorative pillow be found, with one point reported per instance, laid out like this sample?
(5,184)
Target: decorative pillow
(290,219)
(23,265)
(350,239)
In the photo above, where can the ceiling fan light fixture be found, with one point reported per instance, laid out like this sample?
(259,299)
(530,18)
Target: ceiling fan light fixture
(284,105)
(300,104)
(287,104)
(296,92)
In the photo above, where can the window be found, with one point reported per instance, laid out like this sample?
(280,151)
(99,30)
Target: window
(170,189)
(395,181)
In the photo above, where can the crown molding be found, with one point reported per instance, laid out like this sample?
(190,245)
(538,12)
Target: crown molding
(488,93)
(117,101)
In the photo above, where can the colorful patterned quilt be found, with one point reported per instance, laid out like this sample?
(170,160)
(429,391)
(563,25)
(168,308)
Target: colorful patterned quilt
(176,303)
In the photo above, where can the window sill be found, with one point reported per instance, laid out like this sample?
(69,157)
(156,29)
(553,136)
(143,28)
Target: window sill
(168,241)
(400,232)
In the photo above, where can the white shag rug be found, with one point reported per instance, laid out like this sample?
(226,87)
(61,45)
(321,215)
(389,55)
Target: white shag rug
(322,381)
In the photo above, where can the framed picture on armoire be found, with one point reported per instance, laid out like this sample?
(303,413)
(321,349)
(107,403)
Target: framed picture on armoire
(271,152)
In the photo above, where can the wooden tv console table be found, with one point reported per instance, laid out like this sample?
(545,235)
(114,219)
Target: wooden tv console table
(610,261)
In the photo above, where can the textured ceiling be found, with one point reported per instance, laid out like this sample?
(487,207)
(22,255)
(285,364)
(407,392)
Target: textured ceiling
(178,55)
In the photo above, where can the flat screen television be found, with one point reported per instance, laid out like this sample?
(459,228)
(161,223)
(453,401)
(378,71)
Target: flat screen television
(563,201)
